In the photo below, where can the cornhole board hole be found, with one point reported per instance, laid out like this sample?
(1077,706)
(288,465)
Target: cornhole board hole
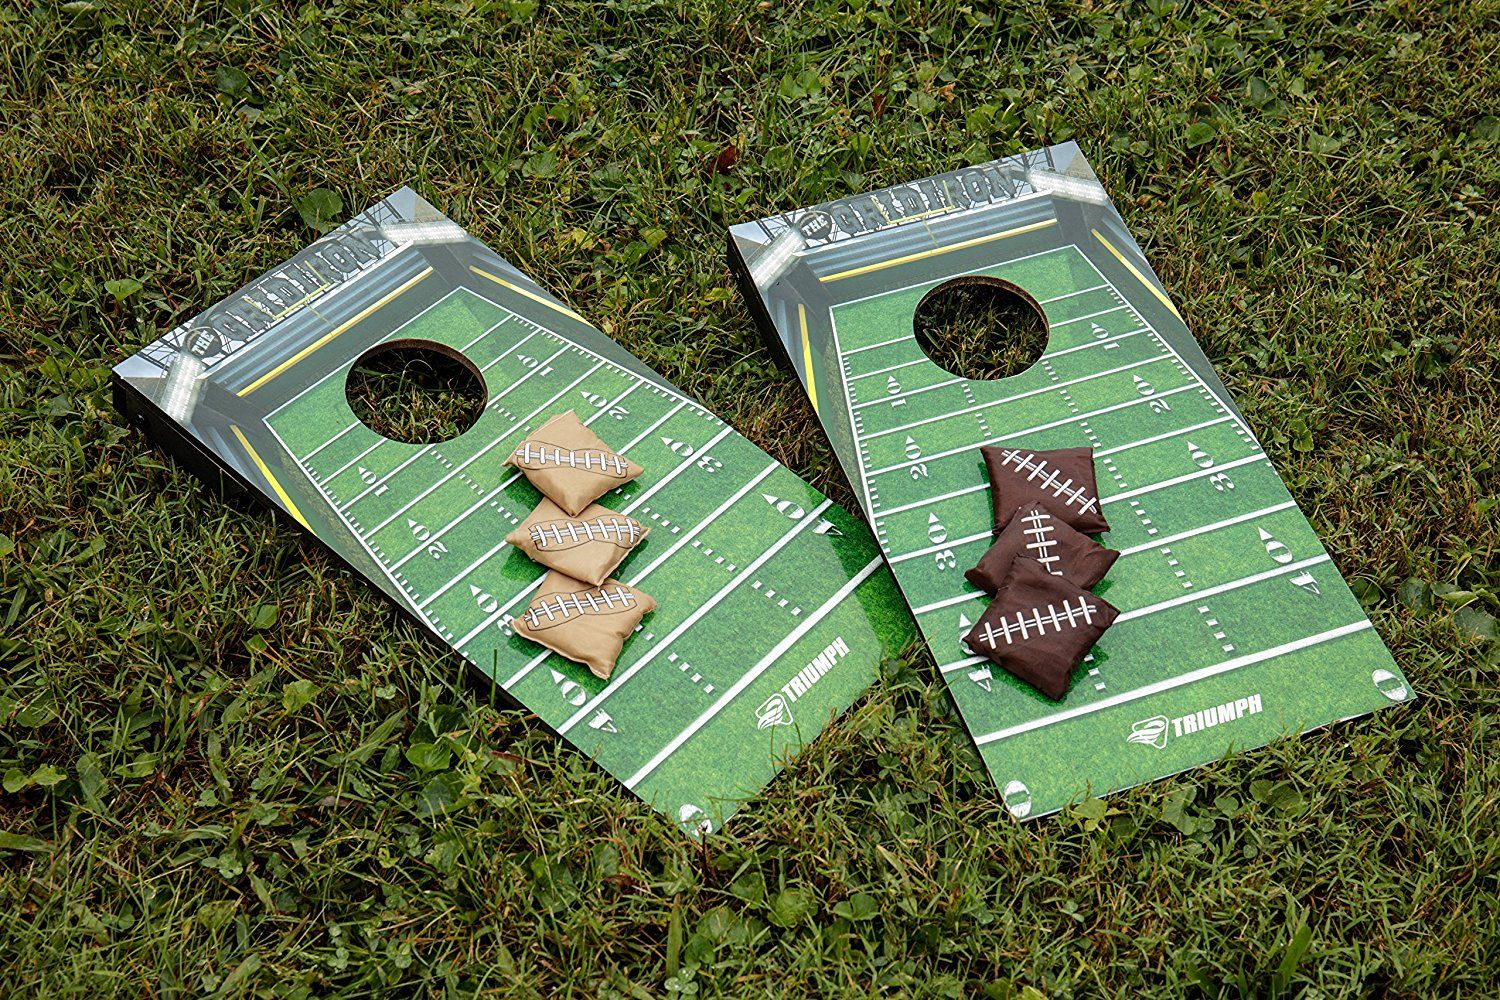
(1235,628)
(775,606)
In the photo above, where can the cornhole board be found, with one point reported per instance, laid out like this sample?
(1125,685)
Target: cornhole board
(1236,626)
(775,606)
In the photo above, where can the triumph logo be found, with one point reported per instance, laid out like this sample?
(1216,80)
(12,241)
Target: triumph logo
(1152,732)
(776,710)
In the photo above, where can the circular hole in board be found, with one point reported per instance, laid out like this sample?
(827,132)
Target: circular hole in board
(980,328)
(416,391)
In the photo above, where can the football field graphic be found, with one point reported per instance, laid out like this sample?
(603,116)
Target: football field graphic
(774,606)
(1235,626)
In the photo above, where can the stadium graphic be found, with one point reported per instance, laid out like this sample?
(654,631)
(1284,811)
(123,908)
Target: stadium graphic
(749,587)
(1222,584)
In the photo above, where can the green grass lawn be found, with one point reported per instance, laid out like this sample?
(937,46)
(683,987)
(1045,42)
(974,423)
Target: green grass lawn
(214,740)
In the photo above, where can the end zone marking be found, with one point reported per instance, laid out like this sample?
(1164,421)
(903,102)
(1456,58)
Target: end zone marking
(533,296)
(1167,685)
(754,673)
(807,366)
(357,317)
(937,251)
(291,508)
(1150,285)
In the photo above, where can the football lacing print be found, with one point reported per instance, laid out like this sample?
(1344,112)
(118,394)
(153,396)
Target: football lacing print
(1033,623)
(557,609)
(621,531)
(1045,477)
(531,455)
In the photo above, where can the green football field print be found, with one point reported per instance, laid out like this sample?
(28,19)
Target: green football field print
(1235,626)
(774,606)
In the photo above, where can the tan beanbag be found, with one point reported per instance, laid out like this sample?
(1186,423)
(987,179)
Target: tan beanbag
(587,547)
(568,463)
(588,625)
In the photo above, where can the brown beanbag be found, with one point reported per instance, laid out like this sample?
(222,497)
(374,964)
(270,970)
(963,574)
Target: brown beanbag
(588,625)
(587,547)
(1033,533)
(1063,480)
(570,464)
(1039,627)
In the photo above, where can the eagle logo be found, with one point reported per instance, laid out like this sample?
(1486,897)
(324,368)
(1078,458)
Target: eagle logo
(774,711)
(1150,732)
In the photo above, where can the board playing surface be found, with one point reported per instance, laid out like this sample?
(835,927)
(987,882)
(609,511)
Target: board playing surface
(774,606)
(1235,627)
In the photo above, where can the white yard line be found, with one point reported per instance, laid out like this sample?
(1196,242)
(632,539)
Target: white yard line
(330,441)
(1093,343)
(753,673)
(666,641)
(368,489)
(507,352)
(1020,395)
(940,546)
(1237,519)
(481,452)
(871,347)
(1210,471)
(530,372)
(1166,685)
(1069,295)
(345,467)
(1073,419)
(882,371)
(893,396)
(1093,315)
(492,329)
(1164,436)
(1223,588)
(697,529)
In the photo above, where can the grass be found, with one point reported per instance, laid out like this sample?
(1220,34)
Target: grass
(204,723)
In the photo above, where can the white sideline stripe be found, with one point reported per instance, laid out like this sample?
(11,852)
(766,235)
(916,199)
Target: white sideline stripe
(871,347)
(753,674)
(688,622)
(330,441)
(882,515)
(1075,418)
(481,452)
(1020,395)
(1069,295)
(1223,588)
(1189,678)
(501,544)
(1161,437)
(422,546)
(739,494)
(1223,403)
(893,396)
(948,602)
(1210,471)
(1238,519)
(345,467)
(684,464)
(1175,602)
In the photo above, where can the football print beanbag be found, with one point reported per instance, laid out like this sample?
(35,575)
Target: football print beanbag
(587,547)
(570,464)
(1062,480)
(588,625)
(1033,533)
(1039,627)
